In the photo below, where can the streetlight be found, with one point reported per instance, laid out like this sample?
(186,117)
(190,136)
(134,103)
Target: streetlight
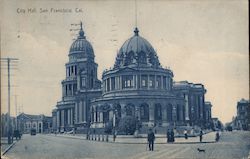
(114,125)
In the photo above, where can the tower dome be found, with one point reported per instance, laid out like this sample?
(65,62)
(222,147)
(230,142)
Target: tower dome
(81,46)
(137,51)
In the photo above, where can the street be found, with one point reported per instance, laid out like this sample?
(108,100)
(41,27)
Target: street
(232,145)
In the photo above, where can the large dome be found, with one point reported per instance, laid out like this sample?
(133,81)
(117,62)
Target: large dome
(137,51)
(81,45)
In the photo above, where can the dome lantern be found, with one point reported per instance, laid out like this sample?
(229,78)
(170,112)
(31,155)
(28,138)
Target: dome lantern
(137,51)
(81,47)
(136,31)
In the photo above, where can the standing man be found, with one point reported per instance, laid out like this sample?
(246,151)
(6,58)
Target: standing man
(201,133)
(168,135)
(151,138)
(185,133)
(172,135)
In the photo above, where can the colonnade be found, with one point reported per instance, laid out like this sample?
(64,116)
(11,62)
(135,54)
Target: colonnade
(147,81)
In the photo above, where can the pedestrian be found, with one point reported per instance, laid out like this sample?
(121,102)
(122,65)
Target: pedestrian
(151,138)
(201,133)
(217,136)
(185,134)
(172,135)
(168,135)
(114,136)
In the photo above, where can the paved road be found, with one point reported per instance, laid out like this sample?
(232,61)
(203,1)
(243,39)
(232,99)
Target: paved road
(232,145)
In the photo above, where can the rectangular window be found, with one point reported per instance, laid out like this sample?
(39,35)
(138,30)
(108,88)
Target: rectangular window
(127,81)
(158,82)
(164,82)
(144,81)
(151,81)
(83,82)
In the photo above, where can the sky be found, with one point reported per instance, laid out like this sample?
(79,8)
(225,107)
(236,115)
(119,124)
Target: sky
(202,41)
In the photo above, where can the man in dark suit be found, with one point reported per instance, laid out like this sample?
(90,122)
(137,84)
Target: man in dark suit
(151,139)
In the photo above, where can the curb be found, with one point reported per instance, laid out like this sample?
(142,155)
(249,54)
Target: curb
(8,148)
(159,143)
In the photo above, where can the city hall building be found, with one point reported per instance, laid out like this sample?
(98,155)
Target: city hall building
(137,85)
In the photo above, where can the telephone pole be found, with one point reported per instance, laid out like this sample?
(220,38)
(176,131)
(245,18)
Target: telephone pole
(9,60)
(16,110)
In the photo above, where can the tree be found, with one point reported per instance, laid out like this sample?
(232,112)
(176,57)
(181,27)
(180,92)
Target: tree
(108,127)
(127,125)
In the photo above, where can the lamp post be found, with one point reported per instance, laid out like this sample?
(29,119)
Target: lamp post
(114,125)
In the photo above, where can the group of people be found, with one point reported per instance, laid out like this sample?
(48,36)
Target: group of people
(171,138)
(151,138)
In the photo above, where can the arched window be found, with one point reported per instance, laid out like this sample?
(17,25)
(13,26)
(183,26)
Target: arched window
(129,58)
(130,109)
(142,58)
(158,112)
(144,111)
(169,112)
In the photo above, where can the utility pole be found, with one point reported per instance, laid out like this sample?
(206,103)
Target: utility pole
(9,60)
(16,110)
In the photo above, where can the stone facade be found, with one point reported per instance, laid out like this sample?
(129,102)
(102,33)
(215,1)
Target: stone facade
(136,86)
(139,86)
(78,88)
(243,115)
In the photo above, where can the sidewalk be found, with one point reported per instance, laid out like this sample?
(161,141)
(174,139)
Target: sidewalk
(5,147)
(160,139)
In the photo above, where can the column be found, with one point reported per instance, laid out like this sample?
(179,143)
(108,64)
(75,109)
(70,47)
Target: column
(78,82)
(186,107)
(116,86)
(80,111)
(123,112)
(110,84)
(151,115)
(62,118)
(201,107)
(164,113)
(147,81)
(101,117)
(68,116)
(84,111)
(72,90)
(57,119)
(174,112)
(76,113)
(138,112)
(155,81)
(111,113)
(106,85)
(136,82)
(161,82)
(95,114)
(71,116)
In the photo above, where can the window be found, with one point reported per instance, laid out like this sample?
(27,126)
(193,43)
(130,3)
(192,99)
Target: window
(158,82)
(83,82)
(151,81)
(127,81)
(108,84)
(142,57)
(112,83)
(144,80)
(164,82)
